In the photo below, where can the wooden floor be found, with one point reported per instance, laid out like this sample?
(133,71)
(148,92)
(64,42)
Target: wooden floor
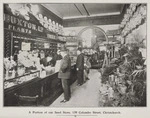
(86,95)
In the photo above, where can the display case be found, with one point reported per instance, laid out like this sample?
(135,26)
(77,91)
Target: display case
(20,79)
(47,88)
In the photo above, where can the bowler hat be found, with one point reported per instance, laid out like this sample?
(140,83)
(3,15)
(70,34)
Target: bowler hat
(63,48)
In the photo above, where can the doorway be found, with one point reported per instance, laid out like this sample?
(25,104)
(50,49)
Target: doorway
(91,37)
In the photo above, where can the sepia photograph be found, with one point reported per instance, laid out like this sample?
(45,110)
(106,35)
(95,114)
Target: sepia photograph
(75,54)
(64,55)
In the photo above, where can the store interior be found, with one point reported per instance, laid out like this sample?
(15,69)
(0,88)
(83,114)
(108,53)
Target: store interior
(112,36)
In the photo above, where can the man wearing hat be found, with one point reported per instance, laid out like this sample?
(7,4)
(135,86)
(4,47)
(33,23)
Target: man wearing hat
(80,66)
(64,73)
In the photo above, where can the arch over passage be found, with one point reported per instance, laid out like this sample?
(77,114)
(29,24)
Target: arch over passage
(92,27)
(96,30)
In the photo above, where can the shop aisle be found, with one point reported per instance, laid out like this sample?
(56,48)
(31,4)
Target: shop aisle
(86,95)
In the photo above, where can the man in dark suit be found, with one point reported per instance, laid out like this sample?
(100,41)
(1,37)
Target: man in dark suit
(64,73)
(80,66)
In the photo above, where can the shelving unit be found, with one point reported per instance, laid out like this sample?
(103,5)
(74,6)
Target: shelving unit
(135,17)
(15,39)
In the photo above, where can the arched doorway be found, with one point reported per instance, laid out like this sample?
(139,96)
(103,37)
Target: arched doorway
(91,37)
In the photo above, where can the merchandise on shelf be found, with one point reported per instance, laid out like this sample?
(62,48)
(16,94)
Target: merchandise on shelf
(50,25)
(20,79)
(135,15)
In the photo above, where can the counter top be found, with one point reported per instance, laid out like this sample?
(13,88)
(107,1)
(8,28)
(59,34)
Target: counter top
(16,85)
(47,88)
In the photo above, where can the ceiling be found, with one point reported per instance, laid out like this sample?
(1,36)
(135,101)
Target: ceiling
(79,10)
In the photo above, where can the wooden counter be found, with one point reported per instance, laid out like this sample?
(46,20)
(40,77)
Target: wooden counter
(48,89)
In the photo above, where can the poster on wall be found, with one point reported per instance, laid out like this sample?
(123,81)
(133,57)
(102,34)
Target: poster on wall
(46,45)
(25,46)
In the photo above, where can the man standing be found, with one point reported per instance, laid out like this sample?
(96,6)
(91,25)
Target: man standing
(64,73)
(80,66)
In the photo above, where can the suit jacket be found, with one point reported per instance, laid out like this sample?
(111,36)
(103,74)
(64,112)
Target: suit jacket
(80,62)
(65,68)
